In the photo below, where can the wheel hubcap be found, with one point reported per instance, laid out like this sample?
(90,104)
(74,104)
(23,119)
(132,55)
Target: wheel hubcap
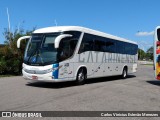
(81,76)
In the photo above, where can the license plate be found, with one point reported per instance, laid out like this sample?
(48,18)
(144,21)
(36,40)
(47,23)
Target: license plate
(34,77)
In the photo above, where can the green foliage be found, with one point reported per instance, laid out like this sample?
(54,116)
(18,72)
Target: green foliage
(148,55)
(141,54)
(3,65)
(11,58)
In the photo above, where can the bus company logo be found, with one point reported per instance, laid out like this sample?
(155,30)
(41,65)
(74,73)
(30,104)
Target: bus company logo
(6,114)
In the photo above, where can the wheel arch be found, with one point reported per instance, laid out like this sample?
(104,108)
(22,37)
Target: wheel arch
(125,66)
(83,67)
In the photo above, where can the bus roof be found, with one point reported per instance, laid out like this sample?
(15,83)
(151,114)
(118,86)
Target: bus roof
(157,27)
(81,29)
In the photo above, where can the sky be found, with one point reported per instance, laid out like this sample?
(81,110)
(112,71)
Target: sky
(131,19)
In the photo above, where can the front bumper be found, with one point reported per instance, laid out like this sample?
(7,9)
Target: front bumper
(40,77)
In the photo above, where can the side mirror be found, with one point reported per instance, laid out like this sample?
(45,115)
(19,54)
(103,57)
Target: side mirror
(20,39)
(59,38)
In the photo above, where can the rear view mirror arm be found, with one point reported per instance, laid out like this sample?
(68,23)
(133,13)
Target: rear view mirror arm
(59,38)
(20,39)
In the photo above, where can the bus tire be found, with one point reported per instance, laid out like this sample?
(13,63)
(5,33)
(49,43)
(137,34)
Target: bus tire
(124,73)
(81,77)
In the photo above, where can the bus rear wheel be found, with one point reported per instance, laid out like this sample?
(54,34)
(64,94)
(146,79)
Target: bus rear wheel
(81,77)
(124,73)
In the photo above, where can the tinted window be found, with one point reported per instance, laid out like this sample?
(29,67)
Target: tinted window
(101,44)
(131,48)
(110,45)
(120,47)
(134,49)
(87,43)
(67,48)
(68,45)
(76,34)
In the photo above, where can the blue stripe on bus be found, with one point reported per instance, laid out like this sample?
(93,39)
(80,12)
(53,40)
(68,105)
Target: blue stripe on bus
(55,71)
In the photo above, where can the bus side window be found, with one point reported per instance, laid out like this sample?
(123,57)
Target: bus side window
(63,50)
(67,48)
(110,46)
(120,47)
(86,44)
(72,44)
(99,44)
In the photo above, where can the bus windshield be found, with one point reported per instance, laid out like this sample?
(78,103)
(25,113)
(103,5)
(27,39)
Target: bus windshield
(40,49)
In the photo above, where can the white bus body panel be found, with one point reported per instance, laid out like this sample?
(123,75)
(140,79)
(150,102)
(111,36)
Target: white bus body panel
(96,63)
(69,68)
(48,77)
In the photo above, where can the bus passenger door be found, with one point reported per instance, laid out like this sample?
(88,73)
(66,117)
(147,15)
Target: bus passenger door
(64,72)
(66,51)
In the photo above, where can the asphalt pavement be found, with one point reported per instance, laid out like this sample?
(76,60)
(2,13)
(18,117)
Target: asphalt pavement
(139,92)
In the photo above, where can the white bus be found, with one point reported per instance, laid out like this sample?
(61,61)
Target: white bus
(157,52)
(73,53)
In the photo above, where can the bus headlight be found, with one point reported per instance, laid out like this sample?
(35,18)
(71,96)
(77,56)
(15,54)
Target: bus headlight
(51,69)
(48,70)
(41,71)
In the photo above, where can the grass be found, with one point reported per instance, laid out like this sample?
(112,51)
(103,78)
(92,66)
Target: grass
(6,76)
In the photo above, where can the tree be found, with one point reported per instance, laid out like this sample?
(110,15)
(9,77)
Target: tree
(11,58)
(149,53)
(141,54)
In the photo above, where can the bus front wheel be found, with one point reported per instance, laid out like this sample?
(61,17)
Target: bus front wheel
(81,77)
